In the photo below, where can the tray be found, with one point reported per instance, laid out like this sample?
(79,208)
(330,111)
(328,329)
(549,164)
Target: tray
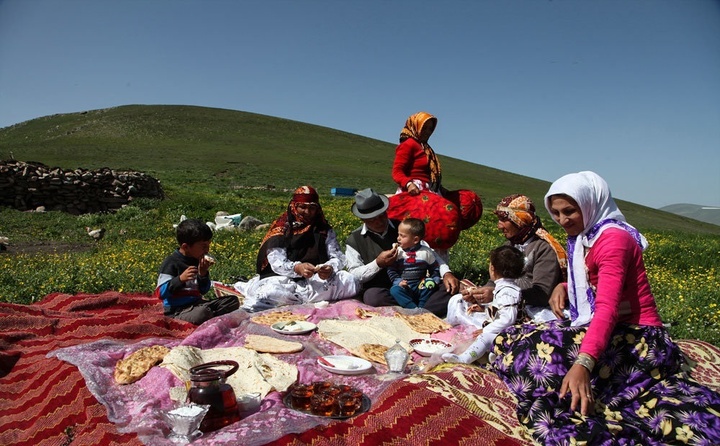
(364,407)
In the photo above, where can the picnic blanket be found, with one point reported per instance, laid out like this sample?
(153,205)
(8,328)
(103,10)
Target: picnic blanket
(55,354)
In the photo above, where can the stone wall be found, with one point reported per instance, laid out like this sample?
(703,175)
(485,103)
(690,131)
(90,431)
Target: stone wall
(28,186)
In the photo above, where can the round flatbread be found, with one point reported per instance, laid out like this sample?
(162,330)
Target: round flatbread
(372,352)
(135,366)
(277,316)
(425,322)
(364,314)
(267,344)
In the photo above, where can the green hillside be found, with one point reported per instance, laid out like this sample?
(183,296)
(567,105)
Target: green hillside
(230,150)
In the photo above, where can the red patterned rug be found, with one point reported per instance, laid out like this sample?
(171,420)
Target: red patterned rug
(45,401)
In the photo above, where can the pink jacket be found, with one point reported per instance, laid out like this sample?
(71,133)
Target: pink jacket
(622,292)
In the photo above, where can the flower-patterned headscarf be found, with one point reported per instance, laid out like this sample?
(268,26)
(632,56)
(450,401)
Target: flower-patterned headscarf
(414,129)
(520,210)
(599,211)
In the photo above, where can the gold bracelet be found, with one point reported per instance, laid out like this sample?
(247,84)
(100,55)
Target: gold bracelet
(586,361)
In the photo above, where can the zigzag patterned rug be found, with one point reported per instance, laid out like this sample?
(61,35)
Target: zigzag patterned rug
(45,401)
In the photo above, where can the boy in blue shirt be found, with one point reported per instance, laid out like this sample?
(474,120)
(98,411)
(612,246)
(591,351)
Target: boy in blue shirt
(184,277)
(416,271)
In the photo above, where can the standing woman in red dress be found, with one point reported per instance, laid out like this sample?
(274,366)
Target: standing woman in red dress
(416,167)
(420,193)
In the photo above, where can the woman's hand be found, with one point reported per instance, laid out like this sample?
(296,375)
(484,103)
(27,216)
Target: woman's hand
(413,189)
(304,269)
(324,271)
(478,295)
(557,300)
(577,383)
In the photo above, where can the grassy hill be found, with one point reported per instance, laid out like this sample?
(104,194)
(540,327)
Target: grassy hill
(231,150)
(210,159)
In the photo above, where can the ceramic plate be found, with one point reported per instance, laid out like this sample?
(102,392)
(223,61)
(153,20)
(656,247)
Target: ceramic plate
(429,347)
(344,365)
(293,327)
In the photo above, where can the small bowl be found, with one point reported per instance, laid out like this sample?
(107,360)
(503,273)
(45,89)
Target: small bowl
(184,420)
(429,347)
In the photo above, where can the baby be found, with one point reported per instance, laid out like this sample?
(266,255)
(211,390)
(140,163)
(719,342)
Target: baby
(416,271)
(506,265)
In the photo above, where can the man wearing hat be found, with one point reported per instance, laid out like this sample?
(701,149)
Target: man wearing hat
(369,251)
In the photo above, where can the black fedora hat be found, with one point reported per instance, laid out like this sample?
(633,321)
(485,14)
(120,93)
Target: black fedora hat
(369,204)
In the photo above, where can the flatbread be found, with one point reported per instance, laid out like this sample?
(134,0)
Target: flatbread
(257,372)
(267,344)
(364,314)
(372,352)
(278,316)
(351,334)
(135,366)
(425,322)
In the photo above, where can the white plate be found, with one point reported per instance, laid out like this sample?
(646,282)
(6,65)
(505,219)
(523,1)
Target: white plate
(429,347)
(293,327)
(345,365)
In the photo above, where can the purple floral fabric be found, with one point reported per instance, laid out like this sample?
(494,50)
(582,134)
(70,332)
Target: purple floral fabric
(641,394)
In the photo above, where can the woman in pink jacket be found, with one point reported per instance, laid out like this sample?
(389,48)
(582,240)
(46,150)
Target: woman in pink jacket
(611,374)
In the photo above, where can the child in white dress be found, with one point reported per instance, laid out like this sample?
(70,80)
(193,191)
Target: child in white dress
(506,265)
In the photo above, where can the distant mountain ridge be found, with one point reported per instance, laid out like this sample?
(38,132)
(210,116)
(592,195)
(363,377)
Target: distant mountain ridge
(707,214)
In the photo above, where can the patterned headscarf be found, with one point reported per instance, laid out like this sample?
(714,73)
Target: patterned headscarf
(413,129)
(599,212)
(520,210)
(289,224)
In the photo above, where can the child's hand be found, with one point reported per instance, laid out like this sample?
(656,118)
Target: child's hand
(403,283)
(206,262)
(189,274)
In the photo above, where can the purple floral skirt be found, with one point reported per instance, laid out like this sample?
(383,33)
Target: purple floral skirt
(642,396)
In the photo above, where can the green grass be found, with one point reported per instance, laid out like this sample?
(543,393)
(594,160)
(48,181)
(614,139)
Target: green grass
(210,160)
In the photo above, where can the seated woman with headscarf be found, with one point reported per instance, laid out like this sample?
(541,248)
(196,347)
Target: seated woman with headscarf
(420,194)
(545,266)
(300,260)
(416,166)
(609,374)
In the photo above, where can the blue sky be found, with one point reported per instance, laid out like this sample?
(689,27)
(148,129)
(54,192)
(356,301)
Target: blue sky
(627,88)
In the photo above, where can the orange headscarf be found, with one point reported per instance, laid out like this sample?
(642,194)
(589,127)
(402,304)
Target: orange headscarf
(520,210)
(414,129)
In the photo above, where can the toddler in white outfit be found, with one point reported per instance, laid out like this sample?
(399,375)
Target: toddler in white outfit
(506,265)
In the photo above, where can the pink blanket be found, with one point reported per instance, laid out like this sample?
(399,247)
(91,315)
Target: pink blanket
(136,407)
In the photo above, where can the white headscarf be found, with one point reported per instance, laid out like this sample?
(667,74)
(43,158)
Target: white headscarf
(599,213)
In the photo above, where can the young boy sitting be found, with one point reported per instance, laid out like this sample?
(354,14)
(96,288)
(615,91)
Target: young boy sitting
(506,265)
(416,271)
(184,277)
